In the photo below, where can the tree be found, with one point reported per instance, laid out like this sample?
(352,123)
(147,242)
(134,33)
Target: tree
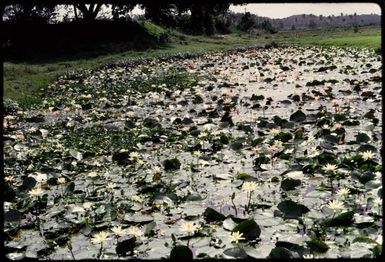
(268,27)
(120,11)
(247,22)
(29,13)
(89,12)
(203,15)
(160,13)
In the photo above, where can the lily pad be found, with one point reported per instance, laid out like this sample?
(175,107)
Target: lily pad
(183,253)
(290,209)
(212,215)
(317,245)
(249,229)
(235,252)
(298,116)
(290,184)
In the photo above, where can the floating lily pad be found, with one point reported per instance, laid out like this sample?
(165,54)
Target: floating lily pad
(235,253)
(341,220)
(290,209)
(282,253)
(249,229)
(212,215)
(290,184)
(125,246)
(181,253)
(171,164)
(298,116)
(317,245)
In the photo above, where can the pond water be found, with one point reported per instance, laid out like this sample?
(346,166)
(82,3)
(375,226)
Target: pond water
(189,150)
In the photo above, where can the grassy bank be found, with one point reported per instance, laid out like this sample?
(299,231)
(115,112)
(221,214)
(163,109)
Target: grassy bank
(22,81)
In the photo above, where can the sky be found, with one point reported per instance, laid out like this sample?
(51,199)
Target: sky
(285,10)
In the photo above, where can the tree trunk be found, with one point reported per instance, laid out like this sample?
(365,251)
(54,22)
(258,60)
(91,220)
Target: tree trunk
(76,13)
(89,14)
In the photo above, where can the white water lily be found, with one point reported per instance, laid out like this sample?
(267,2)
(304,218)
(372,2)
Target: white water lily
(278,143)
(92,174)
(36,192)
(335,205)
(329,168)
(310,138)
(274,131)
(99,238)
(198,154)
(289,151)
(249,186)
(313,152)
(137,198)
(135,231)
(343,192)
(236,236)
(188,227)
(110,186)
(134,155)
(157,170)
(377,201)
(61,180)
(367,155)
(88,205)
(117,230)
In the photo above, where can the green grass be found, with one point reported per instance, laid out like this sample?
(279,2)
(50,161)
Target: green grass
(23,81)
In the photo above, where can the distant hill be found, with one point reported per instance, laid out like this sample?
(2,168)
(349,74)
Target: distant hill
(297,22)
(251,22)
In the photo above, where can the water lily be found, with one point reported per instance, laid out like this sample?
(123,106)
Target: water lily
(274,131)
(61,180)
(377,201)
(343,192)
(135,231)
(110,186)
(367,155)
(117,230)
(134,155)
(278,143)
(100,238)
(137,198)
(249,186)
(308,256)
(236,236)
(313,152)
(36,192)
(92,174)
(188,227)
(310,138)
(329,168)
(335,205)
(289,151)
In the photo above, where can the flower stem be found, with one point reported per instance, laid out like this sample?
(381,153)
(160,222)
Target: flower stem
(235,208)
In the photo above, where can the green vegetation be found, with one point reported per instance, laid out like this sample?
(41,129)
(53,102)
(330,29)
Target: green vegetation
(24,81)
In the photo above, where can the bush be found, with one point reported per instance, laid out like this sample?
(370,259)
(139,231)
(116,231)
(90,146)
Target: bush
(10,106)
